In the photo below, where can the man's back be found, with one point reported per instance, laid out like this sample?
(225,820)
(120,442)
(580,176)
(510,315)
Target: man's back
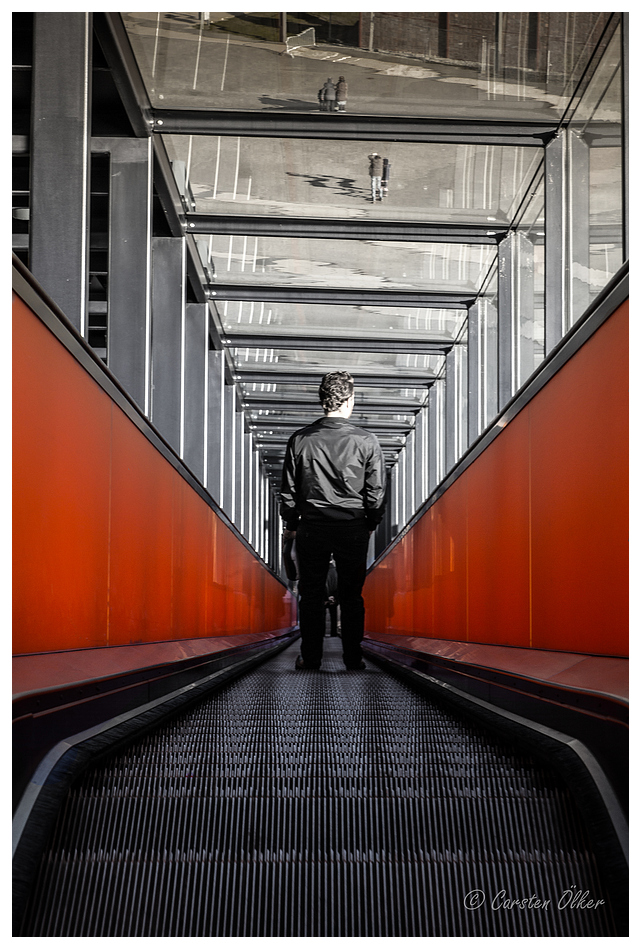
(332,497)
(333,470)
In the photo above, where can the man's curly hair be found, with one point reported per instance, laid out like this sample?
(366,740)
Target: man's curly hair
(335,388)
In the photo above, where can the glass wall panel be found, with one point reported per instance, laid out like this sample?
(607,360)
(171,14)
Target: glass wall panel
(417,63)
(330,178)
(596,128)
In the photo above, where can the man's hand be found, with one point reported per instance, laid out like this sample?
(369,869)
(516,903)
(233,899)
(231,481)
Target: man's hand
(288,535)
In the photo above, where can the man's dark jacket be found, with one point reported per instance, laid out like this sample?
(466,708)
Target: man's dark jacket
(333,471)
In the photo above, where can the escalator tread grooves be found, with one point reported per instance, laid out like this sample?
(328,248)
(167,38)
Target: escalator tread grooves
(315,804)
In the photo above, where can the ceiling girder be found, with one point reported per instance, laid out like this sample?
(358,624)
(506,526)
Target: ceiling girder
(353,127)
(389,380)
(257,225)
(309,399)
(443,299)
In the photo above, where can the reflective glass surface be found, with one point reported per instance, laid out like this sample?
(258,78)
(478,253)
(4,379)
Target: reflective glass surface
(481,184)
(596,125)
(515,64)
(277,360)
(363,322)
(368,265)
(294,393)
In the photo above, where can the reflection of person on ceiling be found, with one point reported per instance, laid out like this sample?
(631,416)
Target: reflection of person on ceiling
(329,96)
(375,173)
(341,94)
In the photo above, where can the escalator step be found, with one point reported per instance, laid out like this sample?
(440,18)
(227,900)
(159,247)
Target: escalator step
(330,803)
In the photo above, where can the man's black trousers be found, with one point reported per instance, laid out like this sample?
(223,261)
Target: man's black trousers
(315,543)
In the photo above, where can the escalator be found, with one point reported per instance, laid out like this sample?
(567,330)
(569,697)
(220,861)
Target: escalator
(329,804)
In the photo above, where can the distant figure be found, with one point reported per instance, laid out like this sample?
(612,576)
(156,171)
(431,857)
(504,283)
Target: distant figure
(329,96)
(376,173)
(385,178)
(331,603)
(341,93)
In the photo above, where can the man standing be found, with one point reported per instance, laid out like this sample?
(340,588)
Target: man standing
(332,498)
(376,173)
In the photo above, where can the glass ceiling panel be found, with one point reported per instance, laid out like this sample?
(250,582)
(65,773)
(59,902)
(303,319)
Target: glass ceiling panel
(330,178)
(514,64)
(347,264)
(278,393)
(302,319)
(277,360)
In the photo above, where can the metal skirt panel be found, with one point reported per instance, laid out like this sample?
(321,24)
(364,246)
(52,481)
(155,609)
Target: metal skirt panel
(327,803)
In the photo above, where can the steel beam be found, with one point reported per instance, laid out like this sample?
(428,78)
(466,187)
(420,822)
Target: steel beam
(116,47)
(168,339)
(215,424)
(353,344)
(263,424)
(196,347)
(336,295)
(567,231)
(388,380)
(515,314)
(436,439)
(353,127)
(260,225)
(309,399)
(229,451)
(60,160)
(129,287)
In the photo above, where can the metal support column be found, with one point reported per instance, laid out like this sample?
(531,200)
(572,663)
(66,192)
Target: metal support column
(420,457)
(455,404)
(410,476)
(168,338)
(196,386)
(129,286)
(482,367)
(474,373)
(515,314)
(215,424)
(228,499)
(567,234)
(248,485)
(578,230)
(436,432)
(239,448)
(60,160)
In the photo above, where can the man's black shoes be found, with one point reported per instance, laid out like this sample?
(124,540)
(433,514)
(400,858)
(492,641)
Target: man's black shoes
(301,664)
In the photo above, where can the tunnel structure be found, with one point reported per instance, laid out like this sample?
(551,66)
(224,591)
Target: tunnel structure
(194,245)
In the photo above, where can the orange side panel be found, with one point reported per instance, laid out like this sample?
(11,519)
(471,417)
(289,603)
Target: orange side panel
(498,540)
(450,562)
(141,567)
(528,547)
(60,495)
(423,569)
(111,545)
(579,443)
